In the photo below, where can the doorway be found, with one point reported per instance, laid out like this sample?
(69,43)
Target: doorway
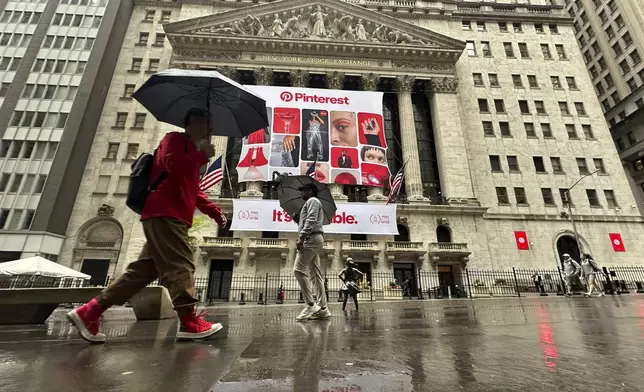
(365,268)
(568,244)
(443,234)
(404,271)
(220,280)
(97,269)
(446,280)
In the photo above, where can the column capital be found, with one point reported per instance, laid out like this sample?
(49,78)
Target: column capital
(263,76)
(228,72)
(369,81)
(299,78)
(404,83)
(442,85)
(335,80)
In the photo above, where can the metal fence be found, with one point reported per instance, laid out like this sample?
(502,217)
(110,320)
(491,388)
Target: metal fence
(376,286)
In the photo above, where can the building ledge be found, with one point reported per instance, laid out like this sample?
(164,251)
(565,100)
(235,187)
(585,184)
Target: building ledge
(452,250)
(360,249)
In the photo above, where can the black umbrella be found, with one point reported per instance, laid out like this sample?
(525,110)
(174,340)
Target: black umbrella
(291,200)
(234,110)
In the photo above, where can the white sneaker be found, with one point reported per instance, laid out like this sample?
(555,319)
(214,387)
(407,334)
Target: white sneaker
(321,314)
(602,294)
(307,312)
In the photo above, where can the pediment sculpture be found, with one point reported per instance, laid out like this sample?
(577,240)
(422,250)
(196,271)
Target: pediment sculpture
(320,24)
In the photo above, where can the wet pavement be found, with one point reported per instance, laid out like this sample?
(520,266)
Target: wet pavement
(533,344)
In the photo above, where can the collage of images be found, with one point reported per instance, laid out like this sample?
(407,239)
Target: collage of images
(347,148)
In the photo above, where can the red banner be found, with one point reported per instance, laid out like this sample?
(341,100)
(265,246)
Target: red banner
(616,241)
(522,240)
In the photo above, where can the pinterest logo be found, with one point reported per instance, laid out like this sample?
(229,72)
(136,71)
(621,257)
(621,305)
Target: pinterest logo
(286,96)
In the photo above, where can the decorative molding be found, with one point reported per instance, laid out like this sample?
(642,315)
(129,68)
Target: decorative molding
(204,54)
(443,85)
(105,210)
(251,258)
(425,66)
(404,84)
(335,80)
(369,82)
(229,72)
(263,77)
(299,78)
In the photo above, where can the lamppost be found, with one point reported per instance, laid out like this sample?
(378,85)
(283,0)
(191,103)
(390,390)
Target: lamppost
(572,219)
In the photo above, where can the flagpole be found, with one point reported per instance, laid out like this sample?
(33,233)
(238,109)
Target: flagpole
(230,184)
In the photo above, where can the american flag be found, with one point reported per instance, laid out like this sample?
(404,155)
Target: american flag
(213,175)
(311,170)
(395,184)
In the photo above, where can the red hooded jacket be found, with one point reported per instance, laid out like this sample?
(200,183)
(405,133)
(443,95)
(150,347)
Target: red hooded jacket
(179,194)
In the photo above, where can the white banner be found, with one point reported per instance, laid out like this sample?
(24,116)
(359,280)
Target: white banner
(341,130)
(350,218)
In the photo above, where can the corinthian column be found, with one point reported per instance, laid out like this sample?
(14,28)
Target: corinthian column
(451,151)
(254,189)
(335,81)
(369,82)
(299,78)
(409,142)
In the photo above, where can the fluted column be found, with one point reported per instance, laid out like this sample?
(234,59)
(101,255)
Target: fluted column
(254,189)
(451,151)
(409,142)
(335,81)
(299,78)
(369,82)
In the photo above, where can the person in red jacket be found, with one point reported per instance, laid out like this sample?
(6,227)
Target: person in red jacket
(166,218)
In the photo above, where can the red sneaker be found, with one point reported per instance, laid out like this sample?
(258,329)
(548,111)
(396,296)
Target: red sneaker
(87,319)
(193,326)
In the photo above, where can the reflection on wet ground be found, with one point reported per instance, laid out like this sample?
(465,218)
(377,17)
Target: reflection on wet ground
(535,344)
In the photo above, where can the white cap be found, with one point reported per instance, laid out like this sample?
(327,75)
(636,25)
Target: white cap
(566,255)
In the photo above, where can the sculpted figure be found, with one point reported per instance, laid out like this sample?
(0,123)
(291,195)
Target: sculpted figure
(318,18)
(277,27)
(292,27)
(379,34)
(361,33)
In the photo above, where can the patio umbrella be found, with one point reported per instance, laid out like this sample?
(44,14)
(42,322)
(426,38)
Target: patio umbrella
(234,110)
(291,197)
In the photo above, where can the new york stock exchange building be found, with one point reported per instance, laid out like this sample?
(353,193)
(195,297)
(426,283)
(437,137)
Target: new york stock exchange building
(488,106)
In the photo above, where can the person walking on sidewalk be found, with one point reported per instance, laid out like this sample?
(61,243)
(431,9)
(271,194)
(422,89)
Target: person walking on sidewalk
(591,271)
(166,218)
(571,272)
(307,262)
(350,277)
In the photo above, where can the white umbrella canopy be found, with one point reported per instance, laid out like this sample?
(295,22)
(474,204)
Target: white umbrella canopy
(39,266)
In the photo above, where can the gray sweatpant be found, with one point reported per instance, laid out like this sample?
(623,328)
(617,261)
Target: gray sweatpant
(307,270)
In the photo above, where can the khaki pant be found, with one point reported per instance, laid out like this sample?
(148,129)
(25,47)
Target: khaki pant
(594,282)
(307,270)
(165,255)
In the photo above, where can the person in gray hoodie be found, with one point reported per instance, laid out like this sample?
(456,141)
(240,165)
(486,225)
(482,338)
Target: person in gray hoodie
(591,271)
(571,270)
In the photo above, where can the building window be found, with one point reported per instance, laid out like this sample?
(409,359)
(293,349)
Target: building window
(545,49)
(478,79)
(488,128)
(640,102)
(588,132)
(524,107)
(494,80)
(611,202)
(121,118)
(548,198)
(502,195)
(532,81)
(103,184)
(132,151)
(572,132)
(495,163)
(632,84)
(4,214)
(513,163)
(538,164)
(40,184)
(4,180)
(15,185)
(17,147)
(509,50)
(480,26)
(165,16)
(624,66)
(593,200)
(499,106)
(14,222)
(565,197)
(617,49)
(523,49)
(582,165)
(149,16)
(529,130)
(538,27)
(467,25)
(540,107)
(112,151)
(563,106)
(572,84)
(471,48)
(143,38)
(606,105)
(556,83)
(599,165)
(139,121)
(620,144)
(517,81)
(483,106)
(517,28)
(580,108)
(122,185)
(503,26)
(619,21)
(556,165)
(128,91)
(159,39)
(154,65)
(561,52)
(635,57)
(486,49)
(51,150)
(631,138)
(553,28)
(136,65)
(520,196)
(504,127)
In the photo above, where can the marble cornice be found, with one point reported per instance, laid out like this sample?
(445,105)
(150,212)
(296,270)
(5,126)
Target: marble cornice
(556,217)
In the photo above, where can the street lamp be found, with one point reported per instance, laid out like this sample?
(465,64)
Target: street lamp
(572,219)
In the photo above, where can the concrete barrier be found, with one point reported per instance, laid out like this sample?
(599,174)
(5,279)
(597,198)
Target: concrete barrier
(34,306)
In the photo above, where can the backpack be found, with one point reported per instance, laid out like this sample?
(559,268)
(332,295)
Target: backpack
(139,187)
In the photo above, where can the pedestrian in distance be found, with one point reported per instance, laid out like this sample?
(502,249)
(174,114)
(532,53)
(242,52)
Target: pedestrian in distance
(572,271)
(307,261)
(592,273)
(166,218)
(350,277)
(406,286)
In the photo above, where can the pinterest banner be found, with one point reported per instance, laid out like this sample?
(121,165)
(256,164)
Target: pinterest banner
(339,131)
(350,218)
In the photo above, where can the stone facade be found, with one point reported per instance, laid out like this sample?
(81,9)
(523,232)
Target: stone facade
(429,59)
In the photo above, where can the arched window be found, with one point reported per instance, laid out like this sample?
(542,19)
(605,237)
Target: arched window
(403,234)
(443,234)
